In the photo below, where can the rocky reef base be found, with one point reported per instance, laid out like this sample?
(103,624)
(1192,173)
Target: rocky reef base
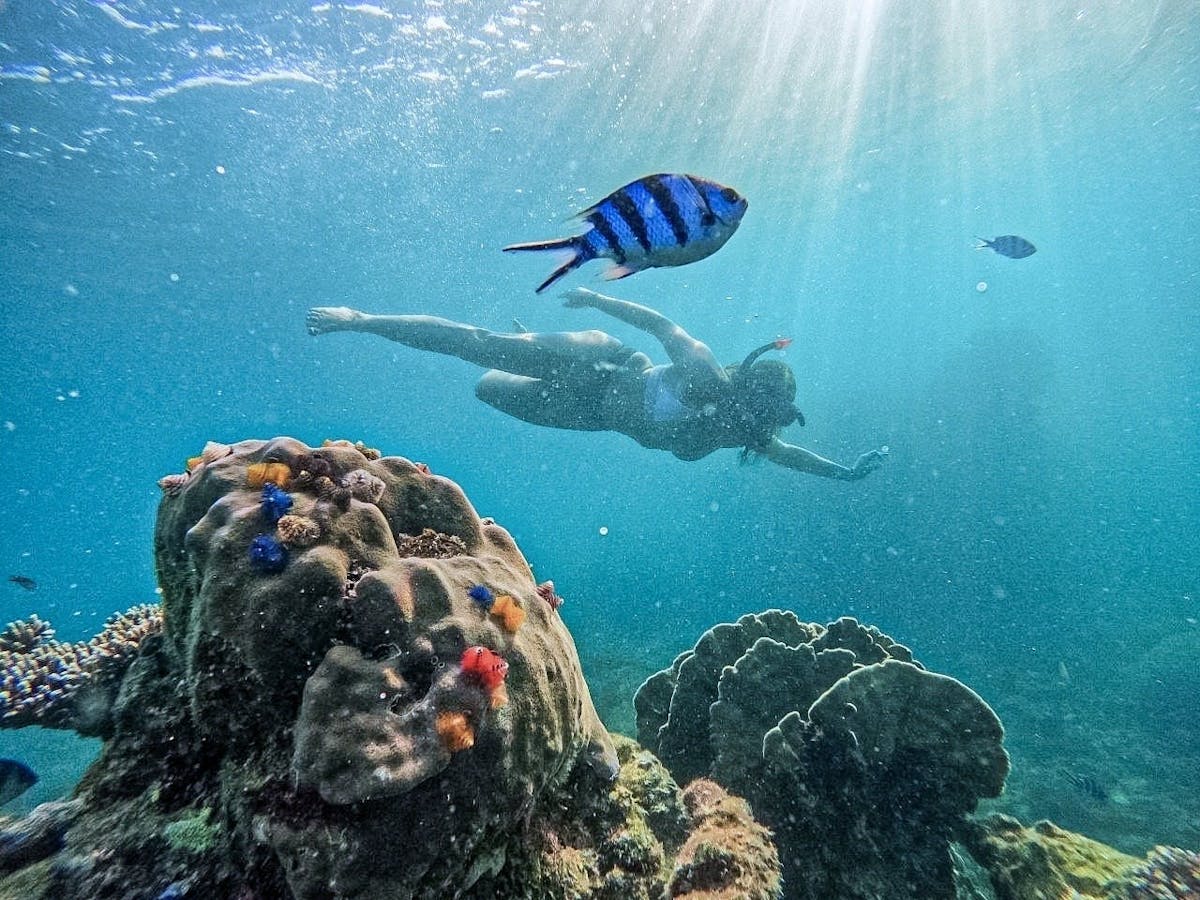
(355,689)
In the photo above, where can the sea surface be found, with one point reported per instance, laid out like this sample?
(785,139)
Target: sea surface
(181,181)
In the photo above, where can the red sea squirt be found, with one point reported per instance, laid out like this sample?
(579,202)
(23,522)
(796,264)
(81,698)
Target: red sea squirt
(484,665)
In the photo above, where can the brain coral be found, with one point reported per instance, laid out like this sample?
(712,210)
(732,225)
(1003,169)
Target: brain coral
(302,706)
(861,761)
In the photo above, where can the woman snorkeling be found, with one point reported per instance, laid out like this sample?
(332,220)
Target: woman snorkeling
(590,381)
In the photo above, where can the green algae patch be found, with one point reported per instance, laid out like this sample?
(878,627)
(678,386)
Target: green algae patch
(193,833)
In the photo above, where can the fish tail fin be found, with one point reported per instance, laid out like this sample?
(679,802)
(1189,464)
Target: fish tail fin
(567,243)
(580,253)
(982,243)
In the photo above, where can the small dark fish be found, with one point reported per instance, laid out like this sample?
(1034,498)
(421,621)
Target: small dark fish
(15,779)
(1010,245)
(24,581)
(1088,785)
(659,220)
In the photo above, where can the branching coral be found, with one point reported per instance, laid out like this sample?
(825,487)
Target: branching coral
(25,634)
(69,685)
(1168,874)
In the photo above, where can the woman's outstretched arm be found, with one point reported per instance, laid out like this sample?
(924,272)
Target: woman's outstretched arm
(793,457)
(681,347)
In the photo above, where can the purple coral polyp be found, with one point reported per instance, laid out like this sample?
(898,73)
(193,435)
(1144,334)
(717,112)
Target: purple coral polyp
(276,502)
(267,555)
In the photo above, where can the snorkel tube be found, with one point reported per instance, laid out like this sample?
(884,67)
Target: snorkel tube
(743,371)
(777,344)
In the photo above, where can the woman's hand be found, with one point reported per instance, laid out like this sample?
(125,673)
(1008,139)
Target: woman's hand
(868,463)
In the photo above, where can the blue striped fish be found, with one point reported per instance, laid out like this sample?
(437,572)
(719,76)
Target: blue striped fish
(1011,245)
(659,220)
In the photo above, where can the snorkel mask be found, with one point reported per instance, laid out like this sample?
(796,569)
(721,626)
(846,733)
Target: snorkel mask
(743,371)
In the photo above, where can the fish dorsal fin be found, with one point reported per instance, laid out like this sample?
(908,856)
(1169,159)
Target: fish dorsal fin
(584,213)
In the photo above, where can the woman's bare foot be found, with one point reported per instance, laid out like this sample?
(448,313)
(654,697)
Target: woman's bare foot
(324,319)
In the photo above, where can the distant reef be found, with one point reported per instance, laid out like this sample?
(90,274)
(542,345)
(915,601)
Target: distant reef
(354,687)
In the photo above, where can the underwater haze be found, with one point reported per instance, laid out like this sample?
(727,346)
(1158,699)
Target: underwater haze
(181,182)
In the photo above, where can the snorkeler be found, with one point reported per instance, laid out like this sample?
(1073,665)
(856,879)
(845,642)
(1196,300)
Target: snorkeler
(590,381)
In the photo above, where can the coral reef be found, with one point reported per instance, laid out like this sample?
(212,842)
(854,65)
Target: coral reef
(637,837)
(310,730)
(37,835)
(69,685)
(1167,874)
(508,613)
(728,856)
(1045,861)
(298,531)
(25,634)
(545,590)
(862,762)
(431,544)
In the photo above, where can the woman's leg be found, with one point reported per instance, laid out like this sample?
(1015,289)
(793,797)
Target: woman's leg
(555,404)
(527,353)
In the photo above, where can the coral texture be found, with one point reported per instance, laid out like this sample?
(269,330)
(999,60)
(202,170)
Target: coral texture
(1045,861)
(69,685)
(862,762)
(1167,874)
(313,715)
(727,856)
(638,838)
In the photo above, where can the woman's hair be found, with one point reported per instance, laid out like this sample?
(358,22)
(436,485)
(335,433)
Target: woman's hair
(762,401)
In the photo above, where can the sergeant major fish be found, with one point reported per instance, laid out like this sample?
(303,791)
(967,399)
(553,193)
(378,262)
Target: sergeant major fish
(659,220)
(1011,245)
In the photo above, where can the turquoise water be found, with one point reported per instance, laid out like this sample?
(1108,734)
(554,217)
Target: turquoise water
(182,182)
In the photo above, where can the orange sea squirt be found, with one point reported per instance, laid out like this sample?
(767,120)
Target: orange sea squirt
(259,474)
(511,615)
(455,731)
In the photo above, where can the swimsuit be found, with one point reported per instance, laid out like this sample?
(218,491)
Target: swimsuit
(660,401)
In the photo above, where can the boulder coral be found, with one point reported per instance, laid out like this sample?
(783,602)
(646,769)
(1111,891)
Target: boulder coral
(316,714)
(862,762)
